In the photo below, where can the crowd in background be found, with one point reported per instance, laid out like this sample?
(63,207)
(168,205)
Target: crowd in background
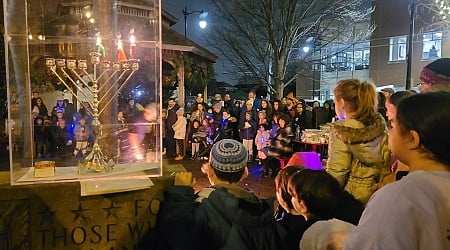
(262,125)
(63,132)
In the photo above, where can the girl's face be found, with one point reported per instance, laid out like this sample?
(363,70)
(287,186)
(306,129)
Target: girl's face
(261,116)
(276,105)
(263,104)
(339,107)
(205,122)
(391,110)
(248,116)
(282,123)
(275,119)
(299,108)
(397,142)
(200,107)
(196,125)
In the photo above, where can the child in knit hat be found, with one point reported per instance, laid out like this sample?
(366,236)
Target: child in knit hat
(222,216)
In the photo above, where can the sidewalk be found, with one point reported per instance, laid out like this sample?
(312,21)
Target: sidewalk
(263,187)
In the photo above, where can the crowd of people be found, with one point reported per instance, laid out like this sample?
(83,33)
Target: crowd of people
(264,127)
(65,133)
(385,185)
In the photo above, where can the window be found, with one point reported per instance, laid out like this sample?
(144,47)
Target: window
(347,57)
(397,48)
(431,48)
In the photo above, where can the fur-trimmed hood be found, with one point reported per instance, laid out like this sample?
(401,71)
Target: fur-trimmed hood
(352,131)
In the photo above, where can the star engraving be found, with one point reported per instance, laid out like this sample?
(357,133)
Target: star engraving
(112,209)
(46,216)
(79,213)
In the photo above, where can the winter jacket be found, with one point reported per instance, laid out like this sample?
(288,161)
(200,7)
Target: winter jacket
(179,127)
(171,119)
(248,133)
(358,155)
(224,217)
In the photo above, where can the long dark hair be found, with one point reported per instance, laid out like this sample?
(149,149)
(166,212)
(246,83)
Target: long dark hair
(428,114)
(324,197)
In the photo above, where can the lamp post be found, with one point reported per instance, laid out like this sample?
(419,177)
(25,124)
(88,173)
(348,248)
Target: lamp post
(412,17)
(186,13)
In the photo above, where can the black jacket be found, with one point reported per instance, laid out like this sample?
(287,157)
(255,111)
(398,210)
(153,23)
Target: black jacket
(222,217)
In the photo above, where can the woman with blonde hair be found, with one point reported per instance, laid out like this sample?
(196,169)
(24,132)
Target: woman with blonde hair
(358,154)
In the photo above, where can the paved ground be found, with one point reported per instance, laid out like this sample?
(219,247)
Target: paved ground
(263,187)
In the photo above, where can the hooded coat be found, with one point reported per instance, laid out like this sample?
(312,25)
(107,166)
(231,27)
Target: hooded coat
(359,155)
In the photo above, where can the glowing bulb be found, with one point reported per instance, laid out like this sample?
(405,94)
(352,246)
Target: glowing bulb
(92,20)
(30,36)
(203,24)
(88,14)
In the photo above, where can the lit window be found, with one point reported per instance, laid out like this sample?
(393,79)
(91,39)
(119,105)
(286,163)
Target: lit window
(397,48)
(431,48)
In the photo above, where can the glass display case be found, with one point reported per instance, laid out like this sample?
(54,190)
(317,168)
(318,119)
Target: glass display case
(84,89)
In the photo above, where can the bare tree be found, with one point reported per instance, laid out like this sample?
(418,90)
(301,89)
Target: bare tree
(261,38)
(435,14)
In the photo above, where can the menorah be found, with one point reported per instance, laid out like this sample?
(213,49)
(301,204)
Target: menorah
(122,71)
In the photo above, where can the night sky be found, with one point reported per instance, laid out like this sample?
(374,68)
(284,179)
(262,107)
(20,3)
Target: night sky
(194,32)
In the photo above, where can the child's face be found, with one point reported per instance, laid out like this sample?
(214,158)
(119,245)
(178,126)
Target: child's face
(391,110)
(261,128)
(282,123)
(39,121)
(205,122)
(397,142)
(248,116)
(196,125)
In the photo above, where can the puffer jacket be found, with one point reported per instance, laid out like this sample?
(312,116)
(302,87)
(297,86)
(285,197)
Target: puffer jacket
(223,217)
(358,155)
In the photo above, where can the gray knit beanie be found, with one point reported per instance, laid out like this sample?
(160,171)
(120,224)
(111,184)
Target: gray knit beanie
(228,156)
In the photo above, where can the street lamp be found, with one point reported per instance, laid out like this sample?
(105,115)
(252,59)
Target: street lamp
(186,13)
(412,17)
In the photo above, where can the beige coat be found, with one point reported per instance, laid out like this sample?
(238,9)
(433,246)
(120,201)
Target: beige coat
(359,155)
(179,128)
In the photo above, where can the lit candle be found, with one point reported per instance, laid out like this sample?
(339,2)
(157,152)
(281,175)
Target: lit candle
(132,44)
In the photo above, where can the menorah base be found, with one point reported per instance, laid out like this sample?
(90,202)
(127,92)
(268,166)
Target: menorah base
(95,162)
